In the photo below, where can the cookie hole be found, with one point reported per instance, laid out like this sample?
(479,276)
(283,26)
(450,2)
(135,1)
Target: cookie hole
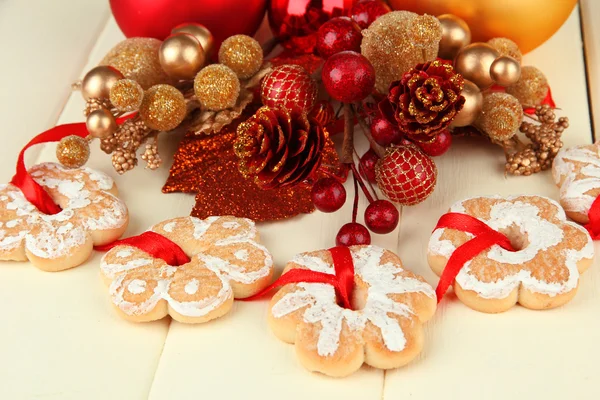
(518,239)
(358,299)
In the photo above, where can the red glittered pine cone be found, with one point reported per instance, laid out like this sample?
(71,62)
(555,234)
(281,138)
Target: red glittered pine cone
(425,101)
(278,147)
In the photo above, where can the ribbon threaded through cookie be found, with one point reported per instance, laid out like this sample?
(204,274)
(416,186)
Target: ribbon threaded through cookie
(593,227)
(485,237)
(342,281)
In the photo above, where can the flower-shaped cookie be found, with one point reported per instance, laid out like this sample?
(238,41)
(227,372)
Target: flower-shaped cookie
(226,261)
(543,272)
(384,328)
(576,171)
(91,215)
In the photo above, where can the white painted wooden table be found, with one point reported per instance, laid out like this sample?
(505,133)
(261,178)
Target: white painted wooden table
(60,339)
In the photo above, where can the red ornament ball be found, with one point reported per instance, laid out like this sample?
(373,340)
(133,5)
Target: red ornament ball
(439,145)
(381,217)
(366,12)
(337,35)
(353,234)
(328,195)
(289,86)
(348,77)
(384,132)
(367,165)
(406,175)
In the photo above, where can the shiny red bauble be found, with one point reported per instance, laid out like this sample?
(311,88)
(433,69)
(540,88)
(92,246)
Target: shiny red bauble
(156,18)
(439,145)
(353,234)
(367,165)
(289,86)
(366,12)
(295,22)
(337,35)
(381,217)
(406,175)
(385,132)
(348,77)
(328,195)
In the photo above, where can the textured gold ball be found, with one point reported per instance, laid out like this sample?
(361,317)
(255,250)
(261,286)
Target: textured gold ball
(137,59)
(472,106)
(181,56)
(473,62)
(242,54)
(532,87)
(217,87)
(200,32)
(455,35)
(73,151)
(505,71)
(506,47)
(98,81)
(408,41)
(126,95)
(163,108)
(101,123)
(501,116)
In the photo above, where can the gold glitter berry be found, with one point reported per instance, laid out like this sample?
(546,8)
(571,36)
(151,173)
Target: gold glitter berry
(163,107)
(217,87)
(506,47)
(242,54)
(501,115)
(532,87)
(126,95)
(73,151)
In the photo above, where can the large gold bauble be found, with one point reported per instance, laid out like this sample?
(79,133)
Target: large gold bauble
(505,71)
(137,59)
(163,108)
(472,106)
(200,32)
(527,22)
(101,123)
(455,35)
(96,84)
(474,62)
(181,56)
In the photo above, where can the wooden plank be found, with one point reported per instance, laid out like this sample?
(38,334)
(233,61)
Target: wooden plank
(521,353)
(590,10)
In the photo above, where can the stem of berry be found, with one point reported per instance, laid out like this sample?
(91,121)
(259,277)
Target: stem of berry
(355,204)
(269,46)
(358,178)
(348,143)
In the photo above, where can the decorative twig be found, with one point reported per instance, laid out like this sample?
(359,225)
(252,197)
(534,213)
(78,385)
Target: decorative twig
(358,178)
(348,144)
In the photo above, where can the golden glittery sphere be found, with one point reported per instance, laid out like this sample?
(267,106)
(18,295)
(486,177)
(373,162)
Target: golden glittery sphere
(532,87)
(138,59)
(506,47)
(217,87)
(501,116)
(242,54)
(126,95)
(397,41)
(163,108)
(73,151)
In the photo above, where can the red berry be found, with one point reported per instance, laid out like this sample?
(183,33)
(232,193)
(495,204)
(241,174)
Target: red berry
(366,12)
(336,35)
(348,77)
(406,175)
(367,165)
(328,195)
(384,132)
(381,217)
(353,234)
(439,145)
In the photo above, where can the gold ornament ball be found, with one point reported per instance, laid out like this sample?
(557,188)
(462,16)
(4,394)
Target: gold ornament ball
(505,71)
(473,62)
(73,151)
(163,108)
(201,33)
(506,47)
(472,106)
(126,95)
(137,59)
(181,56)
(455,35)
(531,89)
(501,116)
(101,123)
(96,84)
(242,54)
(527,22)
(410,39)
(217,87)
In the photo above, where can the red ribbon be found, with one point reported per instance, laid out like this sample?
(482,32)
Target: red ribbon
(593,226)
(485,237)
(154,244)
(342,281)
